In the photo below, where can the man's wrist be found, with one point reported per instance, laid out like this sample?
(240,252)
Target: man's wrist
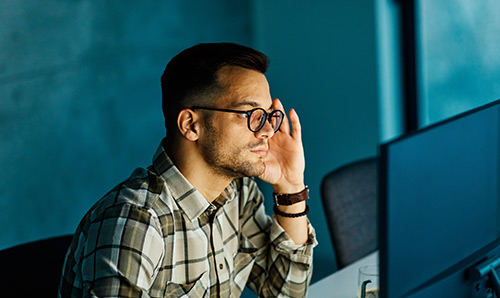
(291,214)
(288,188)
(295,208)
(288,199)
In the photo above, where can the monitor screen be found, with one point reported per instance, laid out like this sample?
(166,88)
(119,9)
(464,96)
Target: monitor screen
(439,206)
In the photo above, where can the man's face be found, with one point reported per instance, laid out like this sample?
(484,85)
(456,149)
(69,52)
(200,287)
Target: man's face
(227,145)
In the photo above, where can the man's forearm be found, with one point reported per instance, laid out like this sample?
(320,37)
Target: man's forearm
(295,227)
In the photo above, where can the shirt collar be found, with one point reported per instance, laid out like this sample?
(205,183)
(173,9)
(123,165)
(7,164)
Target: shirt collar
(190,200)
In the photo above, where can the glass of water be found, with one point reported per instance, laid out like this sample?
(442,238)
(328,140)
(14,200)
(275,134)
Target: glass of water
(368,281)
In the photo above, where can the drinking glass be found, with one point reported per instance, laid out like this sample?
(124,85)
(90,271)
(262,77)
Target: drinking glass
(368,280)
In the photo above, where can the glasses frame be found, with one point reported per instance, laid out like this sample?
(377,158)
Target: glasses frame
(268,116)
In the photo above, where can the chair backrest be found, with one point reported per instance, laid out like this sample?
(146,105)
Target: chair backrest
(33,269)
(350,197)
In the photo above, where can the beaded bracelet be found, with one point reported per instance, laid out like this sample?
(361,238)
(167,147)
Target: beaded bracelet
(280,213)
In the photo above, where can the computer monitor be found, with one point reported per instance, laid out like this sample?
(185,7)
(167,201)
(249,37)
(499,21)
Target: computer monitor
(439,209)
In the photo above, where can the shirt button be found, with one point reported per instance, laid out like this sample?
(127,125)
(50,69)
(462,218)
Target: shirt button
(221,266)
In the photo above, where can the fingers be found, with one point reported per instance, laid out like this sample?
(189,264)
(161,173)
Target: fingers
(285,126)
(294,120)
(296,127)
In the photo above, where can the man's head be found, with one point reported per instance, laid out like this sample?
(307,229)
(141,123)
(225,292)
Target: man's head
(191,77)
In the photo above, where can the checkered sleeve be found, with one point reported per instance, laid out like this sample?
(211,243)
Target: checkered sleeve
(282,268)
(123,250)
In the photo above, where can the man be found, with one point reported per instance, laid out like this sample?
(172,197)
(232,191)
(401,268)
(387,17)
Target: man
(193,223)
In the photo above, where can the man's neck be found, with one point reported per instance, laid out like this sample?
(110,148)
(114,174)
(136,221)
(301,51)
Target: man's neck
(194,168)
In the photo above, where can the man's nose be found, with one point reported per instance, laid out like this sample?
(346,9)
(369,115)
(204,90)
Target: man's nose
(267,131)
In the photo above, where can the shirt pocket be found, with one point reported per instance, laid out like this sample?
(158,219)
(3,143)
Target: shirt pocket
(195,288)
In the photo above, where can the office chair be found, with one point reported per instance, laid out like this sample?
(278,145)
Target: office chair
(350,198)
(33,269)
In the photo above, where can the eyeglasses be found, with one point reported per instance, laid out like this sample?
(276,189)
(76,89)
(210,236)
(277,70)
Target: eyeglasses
(256,118)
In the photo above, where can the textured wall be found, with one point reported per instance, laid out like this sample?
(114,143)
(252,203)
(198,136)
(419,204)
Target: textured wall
(80,102)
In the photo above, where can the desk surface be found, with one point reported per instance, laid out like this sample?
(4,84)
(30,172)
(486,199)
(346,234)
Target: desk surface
(343,283)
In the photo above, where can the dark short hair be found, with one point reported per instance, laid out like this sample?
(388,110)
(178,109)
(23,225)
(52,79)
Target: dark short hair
(190,78)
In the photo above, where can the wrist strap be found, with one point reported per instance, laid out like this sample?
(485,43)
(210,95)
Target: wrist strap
(288,199)
(292,215)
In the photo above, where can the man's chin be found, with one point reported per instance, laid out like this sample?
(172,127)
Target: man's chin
(261,166)
(256,169)
(259,173)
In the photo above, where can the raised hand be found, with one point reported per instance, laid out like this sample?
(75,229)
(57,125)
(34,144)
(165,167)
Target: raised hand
(285,162)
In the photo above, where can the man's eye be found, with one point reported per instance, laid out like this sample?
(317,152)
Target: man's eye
(256,116)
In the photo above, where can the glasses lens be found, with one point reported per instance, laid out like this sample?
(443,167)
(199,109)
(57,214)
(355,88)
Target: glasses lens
(257,119)
(276,119)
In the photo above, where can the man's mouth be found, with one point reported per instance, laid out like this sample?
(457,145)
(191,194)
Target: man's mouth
(260,151)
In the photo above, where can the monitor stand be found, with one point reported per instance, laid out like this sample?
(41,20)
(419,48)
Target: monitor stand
(486,271)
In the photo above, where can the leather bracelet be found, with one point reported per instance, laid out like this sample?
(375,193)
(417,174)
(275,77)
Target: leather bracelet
(292,198)
(292,215)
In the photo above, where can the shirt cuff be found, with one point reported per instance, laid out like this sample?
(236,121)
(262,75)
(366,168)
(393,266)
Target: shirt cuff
(284,245)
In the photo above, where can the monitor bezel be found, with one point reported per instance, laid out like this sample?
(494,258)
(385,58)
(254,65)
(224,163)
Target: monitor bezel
(462,266)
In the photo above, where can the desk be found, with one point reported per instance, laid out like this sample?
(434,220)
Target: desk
(343,283)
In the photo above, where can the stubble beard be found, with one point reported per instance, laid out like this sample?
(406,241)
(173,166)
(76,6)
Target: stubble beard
(233,164)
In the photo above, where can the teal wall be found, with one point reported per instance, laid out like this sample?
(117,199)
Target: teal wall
(80,102)
(80,94)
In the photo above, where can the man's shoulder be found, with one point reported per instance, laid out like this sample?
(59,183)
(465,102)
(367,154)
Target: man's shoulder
(141,191)
(143,183)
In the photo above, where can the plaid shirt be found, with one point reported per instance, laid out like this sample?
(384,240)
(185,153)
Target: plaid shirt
(154,235)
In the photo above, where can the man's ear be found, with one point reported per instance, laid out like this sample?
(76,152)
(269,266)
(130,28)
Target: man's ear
(188,124)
